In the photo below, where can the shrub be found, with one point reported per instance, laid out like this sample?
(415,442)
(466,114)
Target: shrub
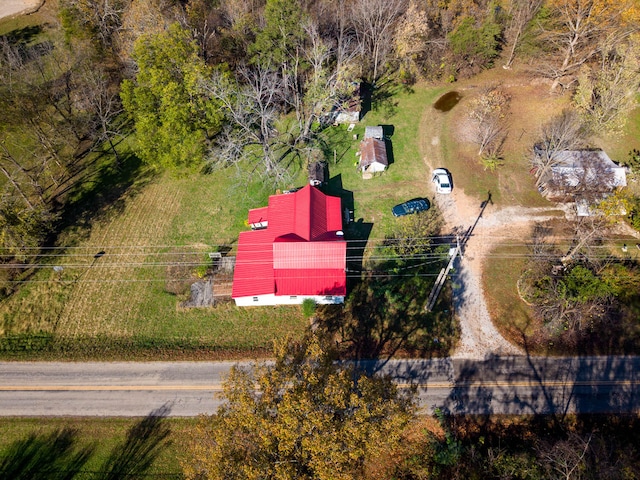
(309,307)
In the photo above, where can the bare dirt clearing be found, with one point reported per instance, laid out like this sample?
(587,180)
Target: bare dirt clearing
(13,8)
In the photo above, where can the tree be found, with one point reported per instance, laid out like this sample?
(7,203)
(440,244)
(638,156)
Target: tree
(562,132)
(411,41)
(104,105)
(304,417)
(251,107)
(489,112)
(565,459)
(374,22)
(577,30)
(606,92)
(521,13)
(22,229)
(174,117)
(282,35)
(475,45)
(103,18)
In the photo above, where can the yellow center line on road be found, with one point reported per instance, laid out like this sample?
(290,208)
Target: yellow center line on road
(86,388)
(432,385)
(525,383)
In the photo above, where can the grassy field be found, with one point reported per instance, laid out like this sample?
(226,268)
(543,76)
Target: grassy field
(407,177)
(116,296)
(39,445)
(121,298)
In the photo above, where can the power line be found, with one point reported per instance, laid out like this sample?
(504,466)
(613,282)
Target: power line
(448,238)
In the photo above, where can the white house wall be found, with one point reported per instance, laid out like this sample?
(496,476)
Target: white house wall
(377,167)
(271,300)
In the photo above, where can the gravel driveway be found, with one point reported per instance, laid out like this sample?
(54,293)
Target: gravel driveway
(479,337)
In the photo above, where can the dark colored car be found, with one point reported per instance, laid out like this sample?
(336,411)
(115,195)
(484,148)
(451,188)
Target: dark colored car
(412,206)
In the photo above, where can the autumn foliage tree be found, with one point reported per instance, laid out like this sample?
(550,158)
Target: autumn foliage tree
(304,417)
(578,30)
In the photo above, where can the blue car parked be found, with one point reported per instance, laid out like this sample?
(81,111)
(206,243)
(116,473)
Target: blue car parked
(412,206)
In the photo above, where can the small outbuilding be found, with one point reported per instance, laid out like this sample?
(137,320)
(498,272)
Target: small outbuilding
(318,174)
(580,173)
(374,132)
(348,109)
(373,157)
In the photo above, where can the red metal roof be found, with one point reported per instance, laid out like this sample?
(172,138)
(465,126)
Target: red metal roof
(257,215)
(299,253)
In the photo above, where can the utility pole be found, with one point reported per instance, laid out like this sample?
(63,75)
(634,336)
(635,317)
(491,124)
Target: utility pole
(442,277)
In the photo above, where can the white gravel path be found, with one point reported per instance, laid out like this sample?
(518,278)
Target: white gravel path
(479,337)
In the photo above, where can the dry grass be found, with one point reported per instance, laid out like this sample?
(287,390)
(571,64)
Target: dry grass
(531,106)
(122,295)
(511,316)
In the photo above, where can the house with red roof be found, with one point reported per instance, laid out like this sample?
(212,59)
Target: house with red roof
(295,250)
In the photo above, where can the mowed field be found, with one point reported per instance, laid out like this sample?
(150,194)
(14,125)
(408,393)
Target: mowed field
(116,291)
(119,291)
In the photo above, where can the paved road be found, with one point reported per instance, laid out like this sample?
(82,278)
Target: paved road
(517,385)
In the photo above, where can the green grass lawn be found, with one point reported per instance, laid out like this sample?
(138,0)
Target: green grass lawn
(37,445)
(119,304)
(407,176)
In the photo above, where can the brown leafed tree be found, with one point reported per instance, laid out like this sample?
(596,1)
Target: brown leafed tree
(304,417)
(489,115)
(606,91)
(374,22)
(520,14)
(577,31)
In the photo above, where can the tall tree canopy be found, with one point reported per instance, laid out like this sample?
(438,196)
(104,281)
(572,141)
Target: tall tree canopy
(577,30)
(174,117)
(281,35)
(312,418)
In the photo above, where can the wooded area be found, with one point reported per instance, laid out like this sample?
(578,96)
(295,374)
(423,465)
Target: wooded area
(106,92)
(209,83)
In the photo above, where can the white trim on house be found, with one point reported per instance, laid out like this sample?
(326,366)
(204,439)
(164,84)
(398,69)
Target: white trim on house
(271,299)
(259,225)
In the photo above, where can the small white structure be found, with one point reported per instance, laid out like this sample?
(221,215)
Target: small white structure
(584,177)
(373,157)
(374,132)
(582,174)
(593,167)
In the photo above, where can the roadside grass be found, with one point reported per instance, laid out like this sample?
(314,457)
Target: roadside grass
(509,313)
(105,438)
(111,298)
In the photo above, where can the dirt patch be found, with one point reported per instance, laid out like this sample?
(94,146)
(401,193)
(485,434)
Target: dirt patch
(14,8)
(481,225)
